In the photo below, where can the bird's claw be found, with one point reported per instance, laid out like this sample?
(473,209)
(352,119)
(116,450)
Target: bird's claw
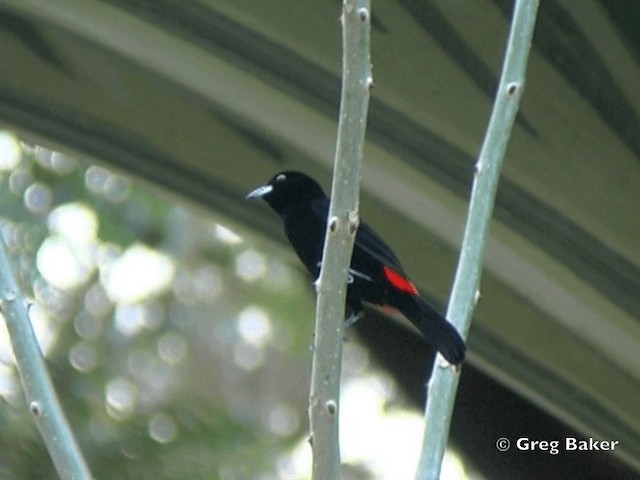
(353,318)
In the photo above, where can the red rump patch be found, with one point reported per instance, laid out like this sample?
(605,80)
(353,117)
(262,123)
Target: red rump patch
(398,282)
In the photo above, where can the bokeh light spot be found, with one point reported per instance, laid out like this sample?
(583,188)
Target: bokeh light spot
(163,428)
(251,265)
(254,326)
(83,357)
(74,221)
(226,235)
(121,397)
(10,151)
(139,273)
(37,198)
(283,420)
(248,357)
(172,347)
(62,264)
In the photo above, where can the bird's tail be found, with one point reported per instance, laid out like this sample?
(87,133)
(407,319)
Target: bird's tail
(436,329)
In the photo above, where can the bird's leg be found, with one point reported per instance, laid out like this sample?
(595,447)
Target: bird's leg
(353,318)
(356,312)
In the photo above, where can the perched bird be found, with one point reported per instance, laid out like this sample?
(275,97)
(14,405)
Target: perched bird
(375,274)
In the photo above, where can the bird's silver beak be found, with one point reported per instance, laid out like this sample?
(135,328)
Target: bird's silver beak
(259,192)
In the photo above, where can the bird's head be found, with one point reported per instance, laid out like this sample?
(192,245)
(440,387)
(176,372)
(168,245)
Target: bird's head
(287,189)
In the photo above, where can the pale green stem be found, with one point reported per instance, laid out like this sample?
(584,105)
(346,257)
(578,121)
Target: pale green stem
(444,382)
(339,240)
(38,389)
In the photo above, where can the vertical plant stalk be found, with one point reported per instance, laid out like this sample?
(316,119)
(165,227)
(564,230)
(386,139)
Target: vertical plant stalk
(444,382)
(340,236)
(38,389)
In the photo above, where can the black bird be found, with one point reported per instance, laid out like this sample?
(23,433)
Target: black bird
(375,274)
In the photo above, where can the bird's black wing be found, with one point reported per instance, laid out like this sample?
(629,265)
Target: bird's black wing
(366,239)
(369,241)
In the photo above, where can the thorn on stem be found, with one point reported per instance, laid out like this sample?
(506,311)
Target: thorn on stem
(512,88)
(331,406)
(354,221)
(477,296)
(363,13)
(333,224)
(35,408)
(443,363)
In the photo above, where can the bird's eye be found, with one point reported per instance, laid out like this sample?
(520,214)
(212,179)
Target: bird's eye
(281,177)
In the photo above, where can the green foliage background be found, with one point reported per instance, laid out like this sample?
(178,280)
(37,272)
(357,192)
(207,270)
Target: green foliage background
(225,404)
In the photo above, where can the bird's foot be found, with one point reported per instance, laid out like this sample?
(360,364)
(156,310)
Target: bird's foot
(353,318)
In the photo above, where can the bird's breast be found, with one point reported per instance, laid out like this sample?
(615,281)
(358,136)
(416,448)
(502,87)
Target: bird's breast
(306,235)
